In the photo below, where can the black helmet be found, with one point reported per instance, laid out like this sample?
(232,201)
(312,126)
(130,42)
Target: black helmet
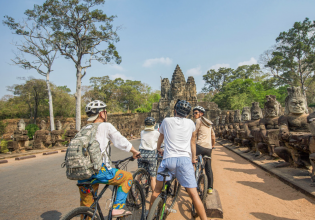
(149,121)
(182,108)
(199,108)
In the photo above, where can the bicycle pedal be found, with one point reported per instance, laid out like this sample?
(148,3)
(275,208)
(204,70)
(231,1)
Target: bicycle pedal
(171,210)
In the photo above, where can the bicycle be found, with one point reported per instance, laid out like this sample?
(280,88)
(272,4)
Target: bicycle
(202,181)
(143,176)
(163,204)
(135,202)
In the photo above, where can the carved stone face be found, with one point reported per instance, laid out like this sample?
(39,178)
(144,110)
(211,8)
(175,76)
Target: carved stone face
(21,125)
(217,119)
(223,119)
(58,125)
(236,126)
(237,118)
(255,114)
(71,126)
(42,125)
(297,105)
(245,116)
(271,111)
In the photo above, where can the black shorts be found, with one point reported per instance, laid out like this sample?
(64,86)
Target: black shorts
(148,161)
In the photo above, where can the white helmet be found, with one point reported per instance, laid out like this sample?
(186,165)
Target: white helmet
(94,107)
(199,108)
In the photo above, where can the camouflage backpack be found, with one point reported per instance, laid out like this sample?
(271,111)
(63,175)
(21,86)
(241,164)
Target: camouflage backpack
(84,157)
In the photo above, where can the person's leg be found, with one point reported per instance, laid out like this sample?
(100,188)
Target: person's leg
(86,197)
(209,172)
(153,182)
(156,192)
(193,194)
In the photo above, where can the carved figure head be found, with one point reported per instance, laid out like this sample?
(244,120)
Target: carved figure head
(223,119)
(255,110)
(272,107)
(217,120)
(58,125)
(246,115)
(311,121)
(21,125)
(231,117)
(42,125)
(71,126)
(227,118)
(295,102)
(237,116)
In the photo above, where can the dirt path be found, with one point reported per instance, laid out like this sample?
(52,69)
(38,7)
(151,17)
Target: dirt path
(247,192)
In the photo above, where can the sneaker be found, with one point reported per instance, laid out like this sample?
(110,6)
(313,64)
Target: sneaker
(210,190)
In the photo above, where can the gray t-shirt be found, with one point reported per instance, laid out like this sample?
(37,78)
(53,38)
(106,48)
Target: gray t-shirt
(177,136)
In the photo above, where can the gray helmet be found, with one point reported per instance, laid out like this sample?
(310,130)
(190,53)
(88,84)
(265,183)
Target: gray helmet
(182,108)
(199,108)
(149,121)
(94,107)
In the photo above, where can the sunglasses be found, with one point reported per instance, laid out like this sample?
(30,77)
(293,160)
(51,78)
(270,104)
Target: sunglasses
(195,113)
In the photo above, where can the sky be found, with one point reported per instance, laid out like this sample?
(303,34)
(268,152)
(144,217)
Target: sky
(155,36)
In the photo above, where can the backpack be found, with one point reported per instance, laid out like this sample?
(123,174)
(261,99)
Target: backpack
(84,157)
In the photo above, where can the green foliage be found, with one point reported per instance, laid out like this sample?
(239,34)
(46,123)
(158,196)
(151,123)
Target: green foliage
(3,146)
(31,128)
(2,127)
(242,92)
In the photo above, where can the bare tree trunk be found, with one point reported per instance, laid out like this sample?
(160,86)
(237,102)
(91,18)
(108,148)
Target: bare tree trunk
(78,99)
(50,101)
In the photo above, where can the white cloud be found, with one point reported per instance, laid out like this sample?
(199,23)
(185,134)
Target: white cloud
(194,71)
(217,66)
(249,62)
(118,75)
(165,61)
(117,67)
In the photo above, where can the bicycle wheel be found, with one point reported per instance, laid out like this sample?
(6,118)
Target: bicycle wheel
(157,211)
(143,177)
(83,211)
(135,202)
(172,195)
(202,185)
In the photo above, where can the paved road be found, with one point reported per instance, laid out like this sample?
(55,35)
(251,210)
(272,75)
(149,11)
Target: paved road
(38,188)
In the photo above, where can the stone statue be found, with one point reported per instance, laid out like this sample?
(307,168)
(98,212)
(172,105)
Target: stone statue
(70,133)
(269,128)
(56,135)
(222,126)
(294,130)
(20,139)
(251,128)
(311,121)
(230,126)
(236,125)
(241,133)
(42,138)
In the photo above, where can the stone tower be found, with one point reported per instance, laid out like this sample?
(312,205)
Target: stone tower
(178,84)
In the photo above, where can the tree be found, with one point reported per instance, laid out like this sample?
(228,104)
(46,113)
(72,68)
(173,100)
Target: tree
(293,59)
(38,44)
(33,93)
(216,80)
(79,30)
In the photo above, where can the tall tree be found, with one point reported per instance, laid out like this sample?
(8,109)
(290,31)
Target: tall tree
(37,43)
(293,59)
(80,30)
(215,80)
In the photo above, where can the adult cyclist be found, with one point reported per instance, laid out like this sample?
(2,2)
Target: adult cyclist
(147,148)
(179,136)
(96,112)
(205,141)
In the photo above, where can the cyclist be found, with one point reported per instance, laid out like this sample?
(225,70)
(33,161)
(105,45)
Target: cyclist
(147,148)
(179,137)
(96,111)
(205,141)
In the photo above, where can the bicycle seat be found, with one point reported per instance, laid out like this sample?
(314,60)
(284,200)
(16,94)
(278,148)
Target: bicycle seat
(84,184)
(165,173)
(206,157)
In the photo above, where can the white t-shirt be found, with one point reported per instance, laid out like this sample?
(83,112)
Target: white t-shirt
(107,132)
(149,140)
(177,135)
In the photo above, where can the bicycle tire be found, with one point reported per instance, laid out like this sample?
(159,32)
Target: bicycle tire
(175,187)
(156,210)
(77,212)
(135,202)
(145,180)
(202,191)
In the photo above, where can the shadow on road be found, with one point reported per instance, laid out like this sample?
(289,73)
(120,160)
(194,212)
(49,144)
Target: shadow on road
(266,216)
(51,215)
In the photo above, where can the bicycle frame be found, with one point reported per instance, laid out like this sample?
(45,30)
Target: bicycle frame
(165,191)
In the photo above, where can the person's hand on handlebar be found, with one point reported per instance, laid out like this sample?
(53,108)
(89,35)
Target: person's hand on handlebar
(135,153)
(161,151)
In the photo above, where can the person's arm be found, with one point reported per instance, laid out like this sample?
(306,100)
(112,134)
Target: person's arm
(159,143)
(193,147)
(212,137)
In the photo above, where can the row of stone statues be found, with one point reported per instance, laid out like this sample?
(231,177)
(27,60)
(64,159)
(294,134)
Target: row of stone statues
(42,138)
(273,134)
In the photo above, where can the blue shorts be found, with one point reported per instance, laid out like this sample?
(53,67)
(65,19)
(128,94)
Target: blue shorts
(182,168)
